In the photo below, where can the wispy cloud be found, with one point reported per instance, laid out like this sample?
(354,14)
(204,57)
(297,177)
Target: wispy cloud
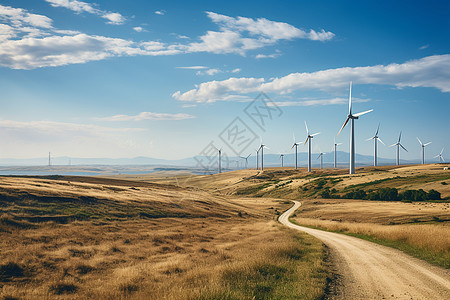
(193,67)
(148,116)
(315,102)
(237,70)
(29,41)
(424,47)
(273,55)
(209,72)
(431,71)
(80,7)
(160,12)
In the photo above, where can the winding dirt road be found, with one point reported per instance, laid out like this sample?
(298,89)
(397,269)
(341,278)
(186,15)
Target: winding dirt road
(370,271)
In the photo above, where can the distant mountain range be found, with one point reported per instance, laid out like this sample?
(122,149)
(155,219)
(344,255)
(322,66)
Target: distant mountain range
(270,160)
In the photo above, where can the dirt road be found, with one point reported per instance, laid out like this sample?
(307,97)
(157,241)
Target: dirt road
(370,271)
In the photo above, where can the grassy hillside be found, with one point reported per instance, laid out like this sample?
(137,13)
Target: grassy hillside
(84,238)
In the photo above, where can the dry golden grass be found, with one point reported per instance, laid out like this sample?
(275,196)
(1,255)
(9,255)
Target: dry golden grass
(91,238)
(424,226)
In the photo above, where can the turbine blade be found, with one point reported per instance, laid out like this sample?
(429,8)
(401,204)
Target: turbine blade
(319,156)
(307,131)
(248,156)
(427,144)
(393,145)
(436,156)
(339,144)
(350,100)
(381,141)
(307,140)
(419,141)
(370,139)
(400,136)
(442,151)
(345,123)
(403,147)
(363,113)
(376,133)
(292,147)
(315,134)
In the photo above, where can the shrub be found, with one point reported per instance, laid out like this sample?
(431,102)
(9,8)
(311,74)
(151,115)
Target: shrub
(433,195)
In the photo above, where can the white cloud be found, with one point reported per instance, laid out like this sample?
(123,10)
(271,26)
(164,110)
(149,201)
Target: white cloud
(424,47)
(273,55)
(114,18)
(209,72)
(19,17)
(29,41)
(160,12)
(237,70)
(138,29)
(183,37)
(193,68)
(148,116)
(431,71)
(80,7)
(315,102)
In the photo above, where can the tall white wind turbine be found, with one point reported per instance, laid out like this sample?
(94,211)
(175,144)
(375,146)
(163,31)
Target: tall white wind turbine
(441,158)
(335,152)
(423,150)
(352,117)
(296,147)
(398,144)
(309,138)
(375,139)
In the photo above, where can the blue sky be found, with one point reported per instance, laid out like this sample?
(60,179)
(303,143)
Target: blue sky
(164,78)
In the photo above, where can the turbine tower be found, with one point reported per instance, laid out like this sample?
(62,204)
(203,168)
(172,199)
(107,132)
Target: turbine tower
(398,144)
(335,152)
(308,138)
(49,160)
(321,159)
(257,159)
(441,158)
(352,117)
(296,147)
(246,160)
(375,138)
(423,150)
(282,160)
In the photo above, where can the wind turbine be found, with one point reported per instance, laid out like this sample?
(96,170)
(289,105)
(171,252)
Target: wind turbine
(246,160)
(261,147)
(257,159)
(308,138)
(423,150)
(335,151)
(321,159)
(375,138)
(352,117)
(398,144)
(296,146)
(282,160)
(220,159)
(49,160)
(441,158)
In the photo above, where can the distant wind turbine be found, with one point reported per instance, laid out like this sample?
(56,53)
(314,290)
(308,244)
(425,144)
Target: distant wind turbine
(246,160)
(296,147)
(257,159)
(321,154)
(441,158)
(261,147)
(309,138)
(220,159)
(352,117)
(282,160)
(423,150)
(398,144)
(49,160)
(375,138)
(335,152)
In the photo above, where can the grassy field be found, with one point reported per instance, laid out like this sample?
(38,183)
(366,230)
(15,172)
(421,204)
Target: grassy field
(80,238)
